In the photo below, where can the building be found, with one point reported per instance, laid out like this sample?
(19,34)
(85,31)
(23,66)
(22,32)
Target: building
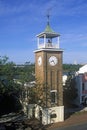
(81,85)
(64,79)
(48,71)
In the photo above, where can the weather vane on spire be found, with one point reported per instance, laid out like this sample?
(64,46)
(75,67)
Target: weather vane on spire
(48,15)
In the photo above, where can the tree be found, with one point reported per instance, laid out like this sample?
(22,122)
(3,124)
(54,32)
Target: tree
(8,88)
(25,73)
(37,95)
(7,74)
(69,91)
(40,94)
(71,67)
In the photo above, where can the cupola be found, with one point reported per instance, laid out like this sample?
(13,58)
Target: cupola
(48,38)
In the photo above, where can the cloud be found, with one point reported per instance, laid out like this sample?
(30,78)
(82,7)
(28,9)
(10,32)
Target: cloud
(74,44)
(27,18)
(84,44)
(18,56)
(71,56)
(36,9)
(12,8)
(69,7)
(74,37)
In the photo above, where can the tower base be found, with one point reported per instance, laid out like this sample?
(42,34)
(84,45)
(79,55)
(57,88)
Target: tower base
(46,115)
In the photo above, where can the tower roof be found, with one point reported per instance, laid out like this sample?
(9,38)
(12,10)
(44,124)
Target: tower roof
(48,32)
(48,29)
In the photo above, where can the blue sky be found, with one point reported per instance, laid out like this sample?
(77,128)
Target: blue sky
(22,20)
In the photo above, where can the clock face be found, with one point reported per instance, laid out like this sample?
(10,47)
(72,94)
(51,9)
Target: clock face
(39,60)
(53,60)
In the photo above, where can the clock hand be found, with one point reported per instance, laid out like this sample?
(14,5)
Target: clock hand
(53,61)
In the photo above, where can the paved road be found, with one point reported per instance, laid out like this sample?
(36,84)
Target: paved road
(74,127)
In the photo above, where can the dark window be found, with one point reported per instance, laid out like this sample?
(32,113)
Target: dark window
(83,87)
(53,96)
(53,116)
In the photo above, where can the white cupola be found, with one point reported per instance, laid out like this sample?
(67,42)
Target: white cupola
(48,38)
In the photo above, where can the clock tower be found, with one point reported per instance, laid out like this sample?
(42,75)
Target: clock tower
(48,69)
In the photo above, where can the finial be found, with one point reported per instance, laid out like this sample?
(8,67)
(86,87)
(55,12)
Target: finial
(48,16)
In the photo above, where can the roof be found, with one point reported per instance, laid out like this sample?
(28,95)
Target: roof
(48,29)
(83,69)
(48,32)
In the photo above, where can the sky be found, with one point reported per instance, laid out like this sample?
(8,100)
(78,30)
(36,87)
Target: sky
(22,20)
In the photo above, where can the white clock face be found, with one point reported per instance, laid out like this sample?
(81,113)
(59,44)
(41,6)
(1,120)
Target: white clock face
(53,60)
(39,60)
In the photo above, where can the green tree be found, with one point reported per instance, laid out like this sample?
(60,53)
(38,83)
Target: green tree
(71,67)
(69,91)
(37,95)
(9,90)
(26,74)
(7,74)
(40,94)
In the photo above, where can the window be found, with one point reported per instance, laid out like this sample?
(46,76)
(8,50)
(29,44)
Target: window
(53,96)
(53,116)
(83,87)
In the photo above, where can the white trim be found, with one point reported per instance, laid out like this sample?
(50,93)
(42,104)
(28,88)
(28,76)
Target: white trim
(49,49)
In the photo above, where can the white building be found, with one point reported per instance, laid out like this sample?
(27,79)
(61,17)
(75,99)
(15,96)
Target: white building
(81,85)
(64,79)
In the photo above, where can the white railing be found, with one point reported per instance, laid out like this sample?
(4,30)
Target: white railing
(48,45)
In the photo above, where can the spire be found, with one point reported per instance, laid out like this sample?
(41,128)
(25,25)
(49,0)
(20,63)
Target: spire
(48,18)
(48,28)
(48,34)
(48,31)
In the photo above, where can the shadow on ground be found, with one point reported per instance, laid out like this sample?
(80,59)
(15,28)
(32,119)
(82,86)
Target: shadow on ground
(72,110)
(32,124)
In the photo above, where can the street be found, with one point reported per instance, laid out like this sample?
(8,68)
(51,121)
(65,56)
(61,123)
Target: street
(73,127)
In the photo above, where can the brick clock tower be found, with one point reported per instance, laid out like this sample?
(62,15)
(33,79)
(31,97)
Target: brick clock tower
(48,71)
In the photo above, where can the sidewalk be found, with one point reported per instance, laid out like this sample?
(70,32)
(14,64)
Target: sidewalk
(74,119)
